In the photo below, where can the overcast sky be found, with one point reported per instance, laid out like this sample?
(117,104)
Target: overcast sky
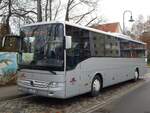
(113,10)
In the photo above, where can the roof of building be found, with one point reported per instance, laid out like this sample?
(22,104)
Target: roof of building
(108,27)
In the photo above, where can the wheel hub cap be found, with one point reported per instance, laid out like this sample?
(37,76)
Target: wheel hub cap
(96,85)
(136,75)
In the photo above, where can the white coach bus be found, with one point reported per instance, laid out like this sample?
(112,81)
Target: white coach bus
(62,60)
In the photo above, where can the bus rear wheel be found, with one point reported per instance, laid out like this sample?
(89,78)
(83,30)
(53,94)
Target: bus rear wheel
(96,86)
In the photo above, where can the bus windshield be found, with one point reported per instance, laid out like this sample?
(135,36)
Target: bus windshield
(42,46)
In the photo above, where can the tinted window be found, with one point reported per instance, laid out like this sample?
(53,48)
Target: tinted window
(80,46)
(97,44)
(111,46)
(131,49)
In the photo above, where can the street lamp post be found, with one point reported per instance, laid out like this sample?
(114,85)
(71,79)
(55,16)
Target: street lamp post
(131,18)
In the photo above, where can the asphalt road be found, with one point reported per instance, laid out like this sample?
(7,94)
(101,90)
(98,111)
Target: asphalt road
(137,101)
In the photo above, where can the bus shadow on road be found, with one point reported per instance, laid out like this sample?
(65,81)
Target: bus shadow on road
(122,84)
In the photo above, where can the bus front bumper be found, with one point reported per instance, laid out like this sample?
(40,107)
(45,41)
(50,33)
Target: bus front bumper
(58,92)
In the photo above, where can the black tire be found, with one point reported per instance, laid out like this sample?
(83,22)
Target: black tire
(94,91)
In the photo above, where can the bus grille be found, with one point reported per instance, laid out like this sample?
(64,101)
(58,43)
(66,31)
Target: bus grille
(33,83)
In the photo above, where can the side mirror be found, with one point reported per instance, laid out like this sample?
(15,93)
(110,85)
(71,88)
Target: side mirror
(68,42)
(3,42)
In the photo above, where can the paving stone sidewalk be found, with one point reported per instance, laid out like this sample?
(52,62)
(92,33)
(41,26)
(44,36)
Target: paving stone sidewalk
(8,92)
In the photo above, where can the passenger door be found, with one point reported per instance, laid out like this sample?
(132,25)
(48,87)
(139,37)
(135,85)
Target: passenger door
(73,81)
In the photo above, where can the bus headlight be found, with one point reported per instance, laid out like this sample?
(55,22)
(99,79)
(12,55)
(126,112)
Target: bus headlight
(55,84)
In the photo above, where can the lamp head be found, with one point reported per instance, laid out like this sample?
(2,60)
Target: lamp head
(131,19)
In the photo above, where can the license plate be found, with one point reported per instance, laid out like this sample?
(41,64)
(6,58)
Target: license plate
(32,90)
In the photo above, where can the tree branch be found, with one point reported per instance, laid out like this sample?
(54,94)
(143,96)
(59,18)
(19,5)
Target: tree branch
(15,14)
(81,16)
(22,11)
(91,21)
(4,6)
(74,5)
(68,9)
(50,9)
(25,11)
(39,11)
(46,7)
(57,10)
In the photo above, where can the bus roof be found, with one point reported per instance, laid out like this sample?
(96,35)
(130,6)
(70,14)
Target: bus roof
(122,36)
(118,35)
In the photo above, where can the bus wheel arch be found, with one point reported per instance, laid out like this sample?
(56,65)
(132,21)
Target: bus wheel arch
(96,85)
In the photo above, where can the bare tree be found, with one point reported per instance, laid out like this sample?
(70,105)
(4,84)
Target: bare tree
(11,9)
(9,15)
(50,9)
(39,11)
(57,10)
(28,12)
(81,16)
(46,10)
(73,5)
(138,26)
(68,9)
(91,21)
(6,17)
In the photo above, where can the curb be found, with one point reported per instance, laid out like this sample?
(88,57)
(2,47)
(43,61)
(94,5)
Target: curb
(12,97)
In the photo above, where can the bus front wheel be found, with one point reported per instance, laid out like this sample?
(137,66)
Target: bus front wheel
(96,86)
